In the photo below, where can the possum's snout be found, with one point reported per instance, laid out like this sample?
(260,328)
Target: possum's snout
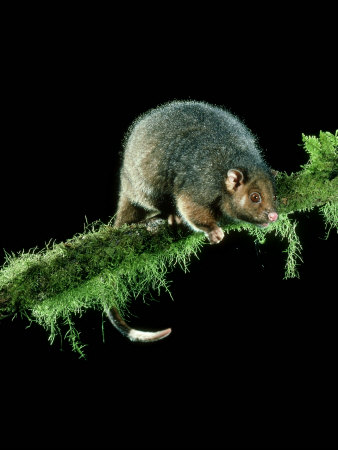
(273,216)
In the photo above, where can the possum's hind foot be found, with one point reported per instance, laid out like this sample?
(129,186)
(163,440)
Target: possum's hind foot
(173,220)
(153,224)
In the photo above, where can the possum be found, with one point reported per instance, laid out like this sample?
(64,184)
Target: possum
(197,164)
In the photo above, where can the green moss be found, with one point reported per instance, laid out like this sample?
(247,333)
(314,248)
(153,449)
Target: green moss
(285,229)
(317,183)
(323,154)
(98,269)
(330,213)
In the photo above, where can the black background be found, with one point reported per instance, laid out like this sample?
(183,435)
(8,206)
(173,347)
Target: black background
(251,359)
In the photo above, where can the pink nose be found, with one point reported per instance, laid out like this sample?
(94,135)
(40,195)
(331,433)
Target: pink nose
(273,216)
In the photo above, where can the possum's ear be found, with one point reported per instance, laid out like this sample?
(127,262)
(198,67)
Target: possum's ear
(234,179)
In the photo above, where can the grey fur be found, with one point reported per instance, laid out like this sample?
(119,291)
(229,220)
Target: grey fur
(187,148)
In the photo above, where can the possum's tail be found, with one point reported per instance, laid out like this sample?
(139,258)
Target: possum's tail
(131,333)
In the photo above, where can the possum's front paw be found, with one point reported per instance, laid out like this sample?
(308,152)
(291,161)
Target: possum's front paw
(216,235)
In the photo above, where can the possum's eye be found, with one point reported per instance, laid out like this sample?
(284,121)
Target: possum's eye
(255,197)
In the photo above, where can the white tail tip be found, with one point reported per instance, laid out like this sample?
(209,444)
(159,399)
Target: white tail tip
(131,333)
(148,336)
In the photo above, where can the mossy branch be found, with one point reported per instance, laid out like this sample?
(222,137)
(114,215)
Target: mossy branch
(105,267)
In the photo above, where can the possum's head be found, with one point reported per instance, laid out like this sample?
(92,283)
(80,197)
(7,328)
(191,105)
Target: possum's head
(250,198)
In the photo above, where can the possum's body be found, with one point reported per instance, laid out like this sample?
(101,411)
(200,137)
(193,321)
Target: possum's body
(197,163)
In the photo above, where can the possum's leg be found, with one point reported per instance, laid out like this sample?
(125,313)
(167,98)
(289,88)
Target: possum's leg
(173,219)
(131,333)
(200,218)
(128,212)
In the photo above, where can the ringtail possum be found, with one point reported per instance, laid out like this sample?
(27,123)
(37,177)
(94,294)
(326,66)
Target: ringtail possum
(195,163)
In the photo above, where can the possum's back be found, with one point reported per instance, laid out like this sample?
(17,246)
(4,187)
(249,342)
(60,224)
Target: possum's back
(182,137)
(183,120)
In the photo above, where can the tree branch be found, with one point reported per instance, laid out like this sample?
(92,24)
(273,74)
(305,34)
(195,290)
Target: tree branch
(105,267)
